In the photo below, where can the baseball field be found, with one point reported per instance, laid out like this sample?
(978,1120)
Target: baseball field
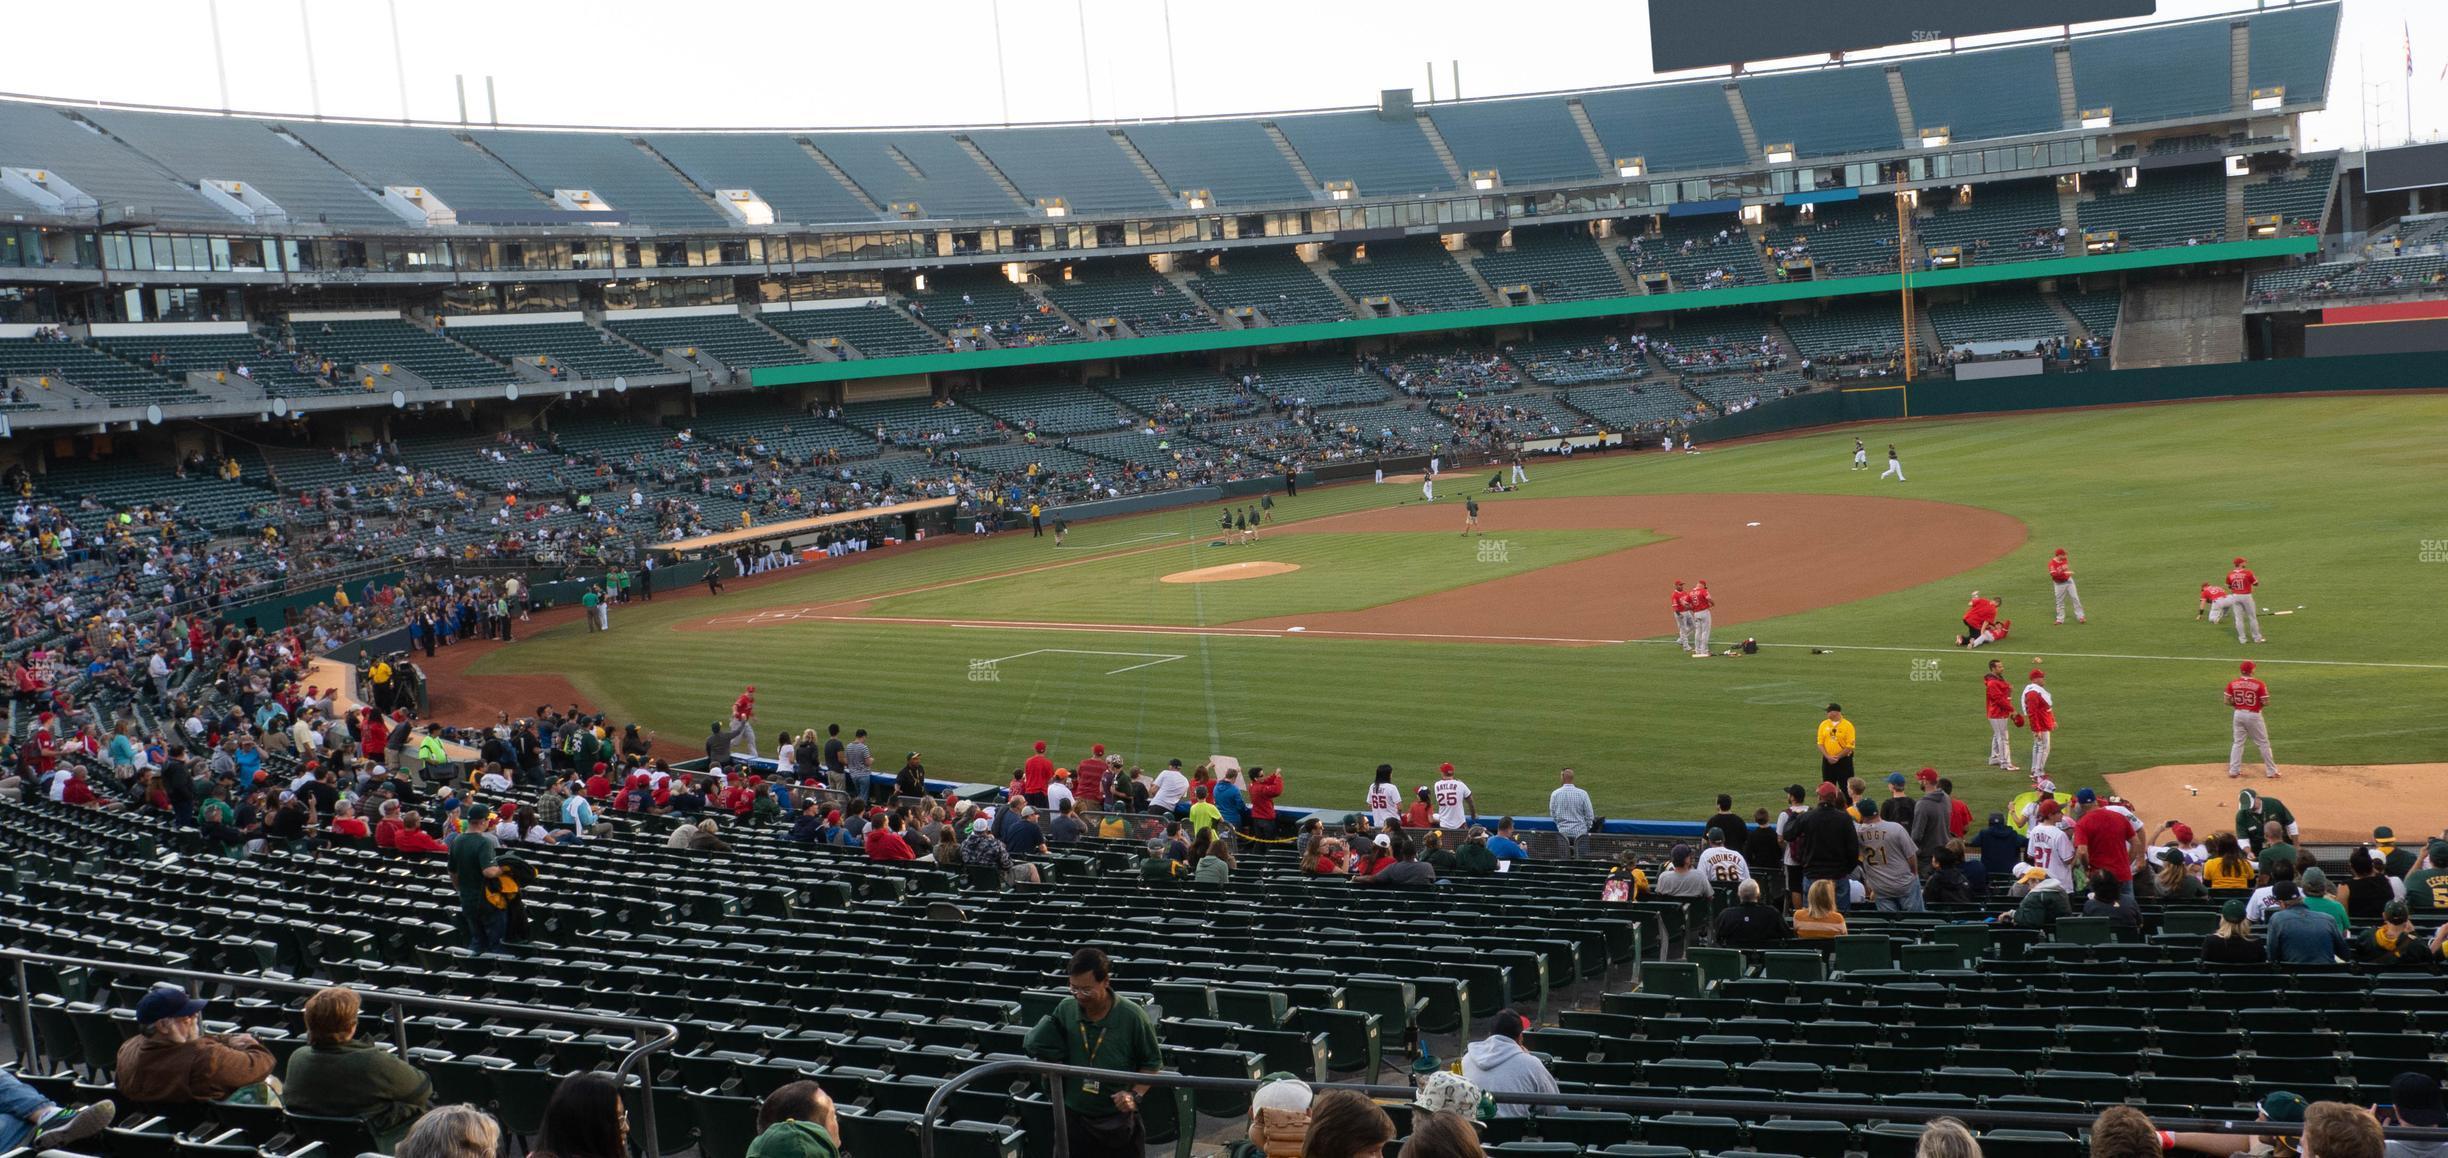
(1380,630)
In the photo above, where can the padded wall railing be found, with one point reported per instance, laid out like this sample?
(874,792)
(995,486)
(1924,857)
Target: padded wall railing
(648,1037)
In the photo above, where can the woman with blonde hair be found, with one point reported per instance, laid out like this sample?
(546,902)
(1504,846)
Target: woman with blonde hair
(1819,917)
(455,1131)
(340,1075)
(1947,1138)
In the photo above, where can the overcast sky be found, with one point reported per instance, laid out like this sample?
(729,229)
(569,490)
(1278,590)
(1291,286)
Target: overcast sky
(814,63)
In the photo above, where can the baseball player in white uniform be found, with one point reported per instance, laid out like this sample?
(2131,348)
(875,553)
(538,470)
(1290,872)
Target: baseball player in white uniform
(1428,487)
(1861,455)
(1520,475)
(1895,465)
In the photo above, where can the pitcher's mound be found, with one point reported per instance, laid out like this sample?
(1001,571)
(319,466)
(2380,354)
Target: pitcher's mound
(1250,570)
(2338,803)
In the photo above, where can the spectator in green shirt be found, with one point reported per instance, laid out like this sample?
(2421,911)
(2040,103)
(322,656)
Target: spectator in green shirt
(1096,1029)
(797,1121)
(2316,898)
(340,1075)
(474,863)
(2427,887)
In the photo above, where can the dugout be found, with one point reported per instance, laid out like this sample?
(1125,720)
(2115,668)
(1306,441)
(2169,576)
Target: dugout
(904,522)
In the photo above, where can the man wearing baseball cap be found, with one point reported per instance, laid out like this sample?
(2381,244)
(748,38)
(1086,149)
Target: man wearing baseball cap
(2399,861)
(474,863)
(1836,741)
(1831,846)
(171,1060)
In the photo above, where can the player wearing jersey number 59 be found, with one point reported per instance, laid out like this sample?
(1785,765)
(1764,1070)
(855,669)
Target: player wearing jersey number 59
(2061,577)
(2248,696)
(1452,800)
(2240,584)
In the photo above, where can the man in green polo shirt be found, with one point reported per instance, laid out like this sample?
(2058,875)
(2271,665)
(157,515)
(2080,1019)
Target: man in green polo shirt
(1096,1029)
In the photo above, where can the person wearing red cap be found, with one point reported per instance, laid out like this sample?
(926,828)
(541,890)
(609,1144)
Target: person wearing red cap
(2061,577)
(1034,773)
(2248,696)
(743,710)
(1703,617)
(2039,714)
(2240,584)
(1088,779)
(1455,809)
(1678,601)
(2049,844)
(1998,699)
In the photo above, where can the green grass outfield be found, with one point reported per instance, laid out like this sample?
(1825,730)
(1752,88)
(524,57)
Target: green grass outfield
(2334,500)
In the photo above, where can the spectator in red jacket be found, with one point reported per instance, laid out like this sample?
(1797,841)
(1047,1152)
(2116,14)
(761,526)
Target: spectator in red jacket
(884,841)
(412,836)
(1264,786)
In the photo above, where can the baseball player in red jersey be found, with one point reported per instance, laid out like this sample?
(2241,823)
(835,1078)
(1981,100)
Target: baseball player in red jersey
(1978,614)
(2240,584)
(1680,602)
(1997,630)
(1703,616)
(2248,696)
(1998,696)
(2040,713)
(2061,577)
(2214,601)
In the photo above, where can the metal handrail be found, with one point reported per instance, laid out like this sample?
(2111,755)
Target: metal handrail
(1812,1111)
(649,1036)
